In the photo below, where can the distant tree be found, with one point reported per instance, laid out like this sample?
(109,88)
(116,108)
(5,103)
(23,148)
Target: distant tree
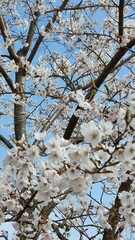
(67,95)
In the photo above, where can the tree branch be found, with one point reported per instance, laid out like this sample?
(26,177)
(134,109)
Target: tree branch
(115,59)
(122,62)
(81,7)
(49,123)
(48,209)
(98,82)
(57,231)
(7,78)
(121,11)
(25,208)
(114,213)
(47,28)
(6,35)
(30,33)
(19,110)
(6,142)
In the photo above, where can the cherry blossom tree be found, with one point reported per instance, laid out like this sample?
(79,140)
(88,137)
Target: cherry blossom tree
(67,94)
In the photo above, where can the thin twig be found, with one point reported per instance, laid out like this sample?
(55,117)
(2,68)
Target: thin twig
(49,123)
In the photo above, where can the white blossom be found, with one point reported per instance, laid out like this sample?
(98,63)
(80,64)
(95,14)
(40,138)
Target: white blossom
(79,96)
(40,135)
(33,153)
(91,133)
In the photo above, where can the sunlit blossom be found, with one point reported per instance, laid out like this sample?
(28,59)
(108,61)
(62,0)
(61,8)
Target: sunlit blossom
(40,135)
(91,133)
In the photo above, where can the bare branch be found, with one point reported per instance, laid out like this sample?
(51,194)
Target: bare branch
(47,28)
(35,48)
(19,121)
(121,10)
(49,123)
(114,212)
(6,35)
(122,62)
(81,7)
(7,78)
(25,207)
(57,231)
(6,142)
(48,209)
(115,59)
(31,33)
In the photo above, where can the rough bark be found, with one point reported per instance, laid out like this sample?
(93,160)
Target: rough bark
(19,110)
(113,219)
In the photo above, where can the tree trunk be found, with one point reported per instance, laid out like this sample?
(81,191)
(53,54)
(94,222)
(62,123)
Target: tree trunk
(19,110)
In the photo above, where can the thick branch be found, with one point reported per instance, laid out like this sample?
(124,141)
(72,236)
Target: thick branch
(7,78)
(30,33)
(113,219)
(118,55)
(121,13)
(6,35)
(19,110)
(119,65)
(57,231)
(81,7)
(27,205)
(35,48)
(47,28)
(48,209)
(98,82)
(6,142)
(19,121)
(122,62)
(71,125)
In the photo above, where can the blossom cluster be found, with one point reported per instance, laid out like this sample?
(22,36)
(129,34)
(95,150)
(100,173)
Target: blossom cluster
(66,167)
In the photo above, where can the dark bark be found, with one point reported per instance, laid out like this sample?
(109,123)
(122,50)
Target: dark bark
(47,28)
(121,19)
(114,216)
(98,82)
(7,78)
(4,28)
